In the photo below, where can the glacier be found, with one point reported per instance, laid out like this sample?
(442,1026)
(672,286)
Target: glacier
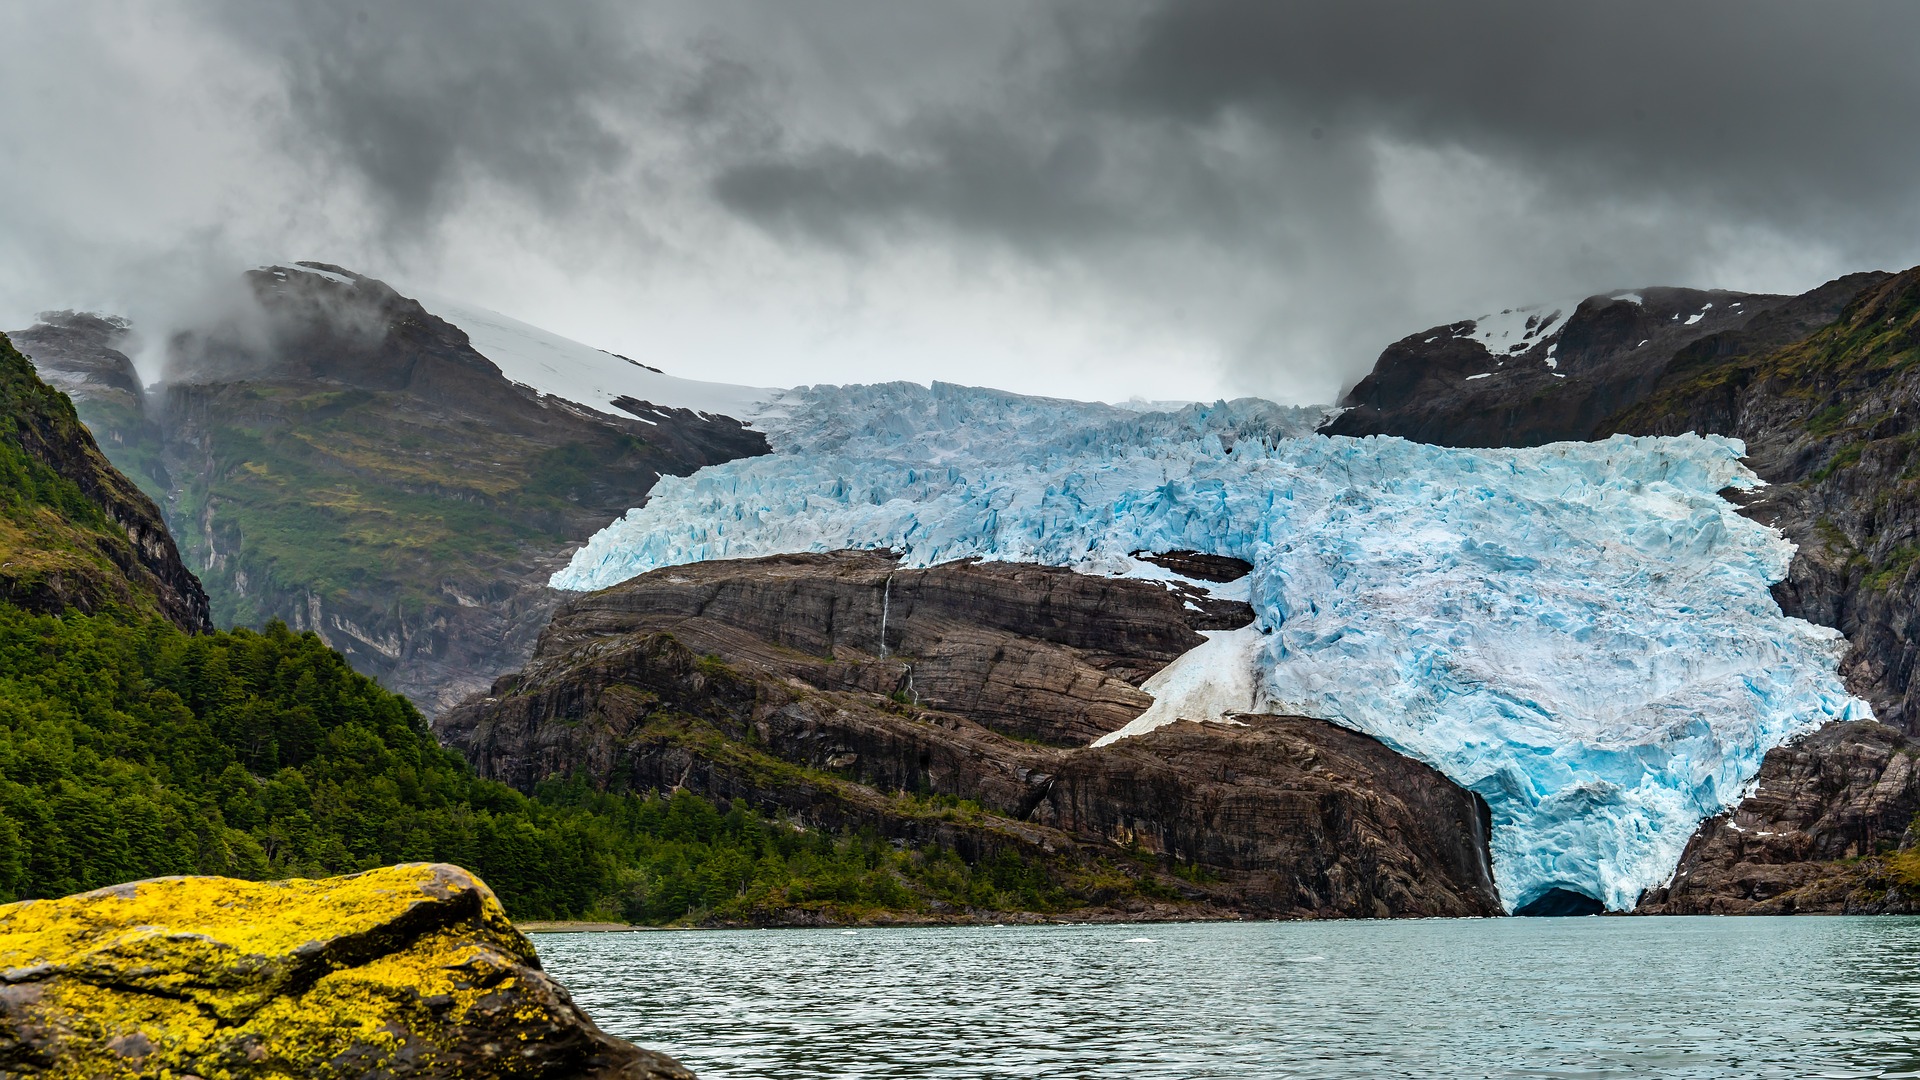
(1582,633)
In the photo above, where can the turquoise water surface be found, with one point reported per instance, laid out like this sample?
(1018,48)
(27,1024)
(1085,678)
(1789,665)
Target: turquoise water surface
(1592,997)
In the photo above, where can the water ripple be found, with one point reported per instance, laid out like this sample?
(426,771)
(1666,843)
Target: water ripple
(1535,998)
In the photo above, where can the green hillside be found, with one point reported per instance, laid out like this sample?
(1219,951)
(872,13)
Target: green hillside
(59,546)
(132,748)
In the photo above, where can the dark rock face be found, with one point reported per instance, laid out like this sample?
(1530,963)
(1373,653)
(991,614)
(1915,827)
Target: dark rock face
(1084,643)
(348,464)
(1610,355)
(1849,792)
(1302,809)
(1199,565)
(146,567)
(826,685)
(82,357)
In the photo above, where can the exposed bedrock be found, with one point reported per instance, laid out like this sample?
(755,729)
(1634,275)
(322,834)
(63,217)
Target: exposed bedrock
(1822,833)
(773,680)
(411,970)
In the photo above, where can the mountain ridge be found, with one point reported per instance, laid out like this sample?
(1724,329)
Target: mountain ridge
(344,460)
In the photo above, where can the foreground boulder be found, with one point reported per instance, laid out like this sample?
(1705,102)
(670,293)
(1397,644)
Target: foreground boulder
(411,970)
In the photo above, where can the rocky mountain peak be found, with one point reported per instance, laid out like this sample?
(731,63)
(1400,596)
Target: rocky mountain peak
(1530,376)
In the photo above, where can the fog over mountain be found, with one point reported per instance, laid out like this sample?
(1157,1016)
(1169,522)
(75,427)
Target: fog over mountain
(1097,199)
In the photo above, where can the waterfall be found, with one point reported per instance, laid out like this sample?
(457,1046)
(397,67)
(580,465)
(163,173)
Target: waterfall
(886,601)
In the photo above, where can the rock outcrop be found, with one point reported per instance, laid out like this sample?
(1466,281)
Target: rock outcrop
(413,970)
(1317,817)
(841,689)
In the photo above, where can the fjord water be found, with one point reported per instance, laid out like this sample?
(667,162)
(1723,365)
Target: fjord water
(1583,997)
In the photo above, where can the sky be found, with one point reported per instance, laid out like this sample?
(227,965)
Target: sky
(1103,199)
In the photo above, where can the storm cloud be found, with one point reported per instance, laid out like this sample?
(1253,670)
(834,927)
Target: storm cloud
(1173,199)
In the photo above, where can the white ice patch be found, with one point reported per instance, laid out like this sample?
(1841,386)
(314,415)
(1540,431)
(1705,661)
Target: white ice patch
(279,272)
(1519,329)
(1211,682)
(1629,297)
(1696,317)
(1482,375)
(1582,632)
(583,374)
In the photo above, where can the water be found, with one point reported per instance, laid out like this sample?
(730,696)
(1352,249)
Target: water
(1594,997)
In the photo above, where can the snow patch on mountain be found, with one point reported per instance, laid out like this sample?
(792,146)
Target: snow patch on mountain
(1519,329)
(1583,633)
(582,374)
(1210,683)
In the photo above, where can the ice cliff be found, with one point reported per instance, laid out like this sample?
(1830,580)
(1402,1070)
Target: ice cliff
(1580,632)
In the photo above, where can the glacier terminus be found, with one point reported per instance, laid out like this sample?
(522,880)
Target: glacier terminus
(1582,633)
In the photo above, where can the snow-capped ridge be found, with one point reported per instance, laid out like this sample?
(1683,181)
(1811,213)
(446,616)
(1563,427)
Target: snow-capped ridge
(584,375)
(1516,330)
(555,366)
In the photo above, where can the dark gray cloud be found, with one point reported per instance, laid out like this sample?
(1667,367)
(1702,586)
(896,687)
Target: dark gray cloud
(419,99)
(1095,196)
(1772,104)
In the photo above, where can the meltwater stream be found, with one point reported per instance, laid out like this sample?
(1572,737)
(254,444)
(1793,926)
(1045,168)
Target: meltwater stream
(1594,997)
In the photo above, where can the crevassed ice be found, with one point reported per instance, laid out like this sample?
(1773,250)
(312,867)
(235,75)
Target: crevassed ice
(1582,632)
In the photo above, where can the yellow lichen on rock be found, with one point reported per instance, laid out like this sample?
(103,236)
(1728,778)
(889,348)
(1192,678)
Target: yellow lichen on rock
(412,969)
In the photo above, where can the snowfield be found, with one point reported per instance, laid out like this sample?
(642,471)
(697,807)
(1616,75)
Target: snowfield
(584,375)
(1582,632)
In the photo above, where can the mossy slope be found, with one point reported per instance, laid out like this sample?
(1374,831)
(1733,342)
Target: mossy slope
(74,533)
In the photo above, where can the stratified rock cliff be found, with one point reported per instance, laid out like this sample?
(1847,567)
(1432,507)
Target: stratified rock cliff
(413,970)
(842,689)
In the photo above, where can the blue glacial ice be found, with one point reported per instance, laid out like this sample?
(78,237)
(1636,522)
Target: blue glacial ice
(1582,632)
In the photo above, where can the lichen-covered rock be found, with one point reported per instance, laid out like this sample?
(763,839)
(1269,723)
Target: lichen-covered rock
(411,971)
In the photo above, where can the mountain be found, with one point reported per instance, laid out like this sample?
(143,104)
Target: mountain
(1822,389)
(1555,372)
(136,740)
(1557,591)
(1581,634)
(344,460)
